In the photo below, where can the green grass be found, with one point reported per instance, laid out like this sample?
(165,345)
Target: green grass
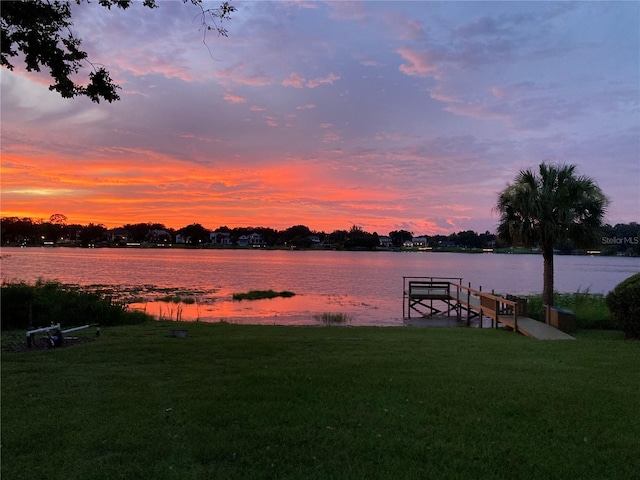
(256,402)
(261,294)
(590,308)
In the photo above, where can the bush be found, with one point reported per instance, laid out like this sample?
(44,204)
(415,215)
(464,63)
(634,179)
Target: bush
(624,304)
(27,306)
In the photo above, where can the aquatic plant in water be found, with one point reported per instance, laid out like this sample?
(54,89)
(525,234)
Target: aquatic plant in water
(261,294)
(332,318)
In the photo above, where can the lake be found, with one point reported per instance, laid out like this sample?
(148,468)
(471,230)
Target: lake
(366,286)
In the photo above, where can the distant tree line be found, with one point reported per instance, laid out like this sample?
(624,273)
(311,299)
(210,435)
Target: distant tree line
(621,238)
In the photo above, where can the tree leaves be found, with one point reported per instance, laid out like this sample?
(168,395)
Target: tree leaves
(551,206)
(40,31)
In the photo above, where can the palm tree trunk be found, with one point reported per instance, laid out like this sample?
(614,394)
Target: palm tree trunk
(547,290)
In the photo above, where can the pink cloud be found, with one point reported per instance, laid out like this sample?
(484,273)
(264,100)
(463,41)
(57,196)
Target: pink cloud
(298,81)
(293,80)
(316,82)
(420,64)
(231,98)
(238,74)
(271,121)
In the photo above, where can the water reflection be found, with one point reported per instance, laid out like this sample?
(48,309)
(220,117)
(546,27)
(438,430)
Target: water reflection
(298,310)
(367,286)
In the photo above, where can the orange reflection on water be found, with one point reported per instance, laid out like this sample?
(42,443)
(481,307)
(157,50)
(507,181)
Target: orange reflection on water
(297,310)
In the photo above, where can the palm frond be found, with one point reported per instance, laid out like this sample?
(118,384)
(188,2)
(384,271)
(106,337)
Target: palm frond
(551,206)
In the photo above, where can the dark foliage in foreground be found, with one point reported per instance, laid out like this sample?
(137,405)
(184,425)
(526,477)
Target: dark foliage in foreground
(590,309)
(39,32)
(27,306)
(623,301)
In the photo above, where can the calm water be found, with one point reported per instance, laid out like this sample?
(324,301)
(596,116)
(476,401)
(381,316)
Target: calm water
(367,286)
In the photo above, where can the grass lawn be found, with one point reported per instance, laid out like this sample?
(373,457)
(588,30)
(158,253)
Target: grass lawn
(257,402)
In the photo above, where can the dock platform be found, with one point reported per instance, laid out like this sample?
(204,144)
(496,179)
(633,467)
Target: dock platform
(433,297)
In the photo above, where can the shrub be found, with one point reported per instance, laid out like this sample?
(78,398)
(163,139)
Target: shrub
(624,304)
(27,306)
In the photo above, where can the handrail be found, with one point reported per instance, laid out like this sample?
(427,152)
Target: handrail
(434,278)
(495,298)
(482,308)
(431,279)
(405,288)
(486,295)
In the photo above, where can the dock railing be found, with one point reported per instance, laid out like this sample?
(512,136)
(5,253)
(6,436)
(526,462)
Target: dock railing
(416,290)
(475,302)
(498,309)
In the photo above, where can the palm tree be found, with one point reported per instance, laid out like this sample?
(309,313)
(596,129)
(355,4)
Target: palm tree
(548,208)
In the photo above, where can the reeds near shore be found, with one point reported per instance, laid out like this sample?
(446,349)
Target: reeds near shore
(332,318)
(44,303)
(590,308)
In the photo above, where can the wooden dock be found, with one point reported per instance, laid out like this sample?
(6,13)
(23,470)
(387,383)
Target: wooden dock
(438,296)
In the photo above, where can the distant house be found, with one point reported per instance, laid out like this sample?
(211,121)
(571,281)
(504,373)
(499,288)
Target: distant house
(420,242)
(158,236)
(385,241)
(119,236)
(220,238)
(254,239)
(182,239)
(243,240)
(315,240)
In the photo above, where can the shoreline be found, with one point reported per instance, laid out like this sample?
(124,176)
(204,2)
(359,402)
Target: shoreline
(484,251)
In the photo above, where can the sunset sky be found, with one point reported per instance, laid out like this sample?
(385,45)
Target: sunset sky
(385,115)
